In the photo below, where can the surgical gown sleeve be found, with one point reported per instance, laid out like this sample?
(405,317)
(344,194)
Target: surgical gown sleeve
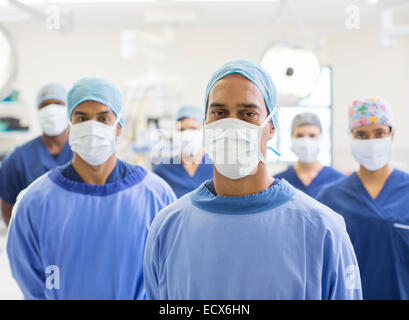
(150,270)
(23,251)
(341,277)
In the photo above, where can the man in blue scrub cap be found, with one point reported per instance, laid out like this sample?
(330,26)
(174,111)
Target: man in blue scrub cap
(189,169)
(79,231)
(34,158)
(244,234)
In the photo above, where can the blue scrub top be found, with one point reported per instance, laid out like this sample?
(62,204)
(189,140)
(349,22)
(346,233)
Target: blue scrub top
(379,231)
(275,244)
(25,164)
(325,176)
(180,180)
(94,235)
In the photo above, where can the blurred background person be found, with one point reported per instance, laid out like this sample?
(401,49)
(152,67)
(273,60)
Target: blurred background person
(308,174)
(374,202)
(34,158)
(191,167)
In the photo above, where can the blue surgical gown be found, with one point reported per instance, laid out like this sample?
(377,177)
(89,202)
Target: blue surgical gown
(180,180)
(379,231)
(94,234)
(276,244)
(325,176)
(25,164)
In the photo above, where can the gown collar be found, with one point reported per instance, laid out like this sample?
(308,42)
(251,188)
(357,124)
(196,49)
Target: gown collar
(313,181)
(277,194)
(389,183)
(97,190)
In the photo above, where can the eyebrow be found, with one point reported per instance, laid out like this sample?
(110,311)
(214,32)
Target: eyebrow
(367,132)
(249,105)
(242,105)
(84,113)
(217,105)
(79,113)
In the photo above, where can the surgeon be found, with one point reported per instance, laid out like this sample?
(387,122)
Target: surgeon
(192,167)
(78,232)
(374,202)
(29,161)
(244,234)
(308,174)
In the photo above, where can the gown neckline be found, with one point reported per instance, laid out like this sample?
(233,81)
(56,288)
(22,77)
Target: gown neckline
(382,194)
(312,181)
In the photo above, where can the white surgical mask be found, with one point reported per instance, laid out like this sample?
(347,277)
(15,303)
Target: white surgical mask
(53,119)
(306,149)
(234,146)
(372,154)
(191,141)
(93,141)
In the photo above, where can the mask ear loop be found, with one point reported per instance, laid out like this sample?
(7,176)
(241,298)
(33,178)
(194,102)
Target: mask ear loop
(117,119)
(262,126)
(116,123)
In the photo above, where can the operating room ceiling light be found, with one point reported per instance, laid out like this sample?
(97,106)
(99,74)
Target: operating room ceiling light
(7,63)
(294,70)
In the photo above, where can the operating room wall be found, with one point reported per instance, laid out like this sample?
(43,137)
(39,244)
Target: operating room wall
(360,67)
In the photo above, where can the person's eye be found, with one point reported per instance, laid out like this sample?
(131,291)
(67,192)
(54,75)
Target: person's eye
(103,119)
(250,114)
(81,119)
(217,113)
(380,134)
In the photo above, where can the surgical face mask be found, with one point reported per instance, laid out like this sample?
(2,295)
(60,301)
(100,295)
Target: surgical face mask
(306,149)
(234,146)
(93,141)
(372,154)
(191,141)
(53,119)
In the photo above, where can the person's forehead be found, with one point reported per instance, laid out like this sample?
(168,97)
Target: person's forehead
(307,127)
(51,101)
(93,107)
(189,122)
(236,83)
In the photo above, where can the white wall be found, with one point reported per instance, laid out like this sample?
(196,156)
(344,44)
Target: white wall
(360,66)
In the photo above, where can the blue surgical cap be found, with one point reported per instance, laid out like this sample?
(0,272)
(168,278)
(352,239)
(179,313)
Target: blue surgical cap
(189,111)
(52,91)
(255,74)
(98,90)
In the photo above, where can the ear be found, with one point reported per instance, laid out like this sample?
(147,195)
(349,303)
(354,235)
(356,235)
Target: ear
(271,130)
(118,130)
